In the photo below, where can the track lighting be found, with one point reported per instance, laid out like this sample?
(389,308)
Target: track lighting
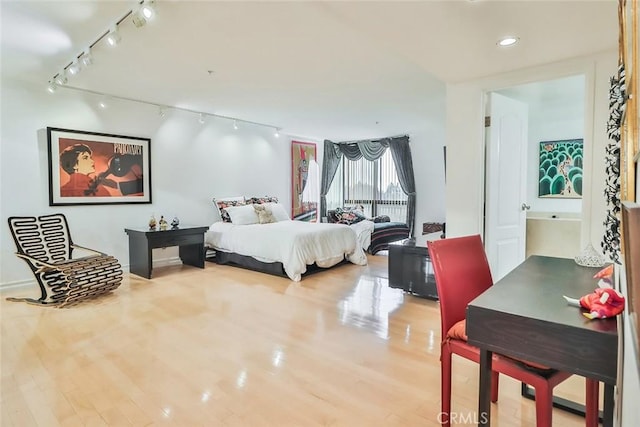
(144,14)
(86,59)
(276,133)
(103,104)
(162,112)
(235,125)
(74,68)
(201,118)
(52,87)
(113,38)
(61,78)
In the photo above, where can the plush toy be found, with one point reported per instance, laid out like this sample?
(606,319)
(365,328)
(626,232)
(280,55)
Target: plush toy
(265,215)
(603,302)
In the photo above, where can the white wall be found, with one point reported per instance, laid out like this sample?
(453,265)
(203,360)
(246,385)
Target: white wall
(545,125)
(464,203)
(190,164)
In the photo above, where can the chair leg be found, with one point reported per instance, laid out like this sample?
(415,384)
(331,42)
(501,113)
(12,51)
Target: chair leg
(544,406)
(445,390)
(494,386)
(591,403)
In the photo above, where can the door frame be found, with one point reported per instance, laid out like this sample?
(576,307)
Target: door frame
(588,71)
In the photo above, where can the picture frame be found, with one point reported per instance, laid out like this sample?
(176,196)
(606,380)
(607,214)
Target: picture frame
(304,181)
(92,168)
(631,253)
(560,169)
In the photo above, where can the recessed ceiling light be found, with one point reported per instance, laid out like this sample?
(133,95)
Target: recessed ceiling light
(508,41)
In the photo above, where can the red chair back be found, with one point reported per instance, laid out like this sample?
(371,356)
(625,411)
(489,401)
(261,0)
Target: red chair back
(462,273)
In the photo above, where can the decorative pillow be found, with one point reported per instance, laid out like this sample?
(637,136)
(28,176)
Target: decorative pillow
(265,216)
(242,215)
(222,204)
(349,216)
(382,218)
(261,200)
(332,216)
(279,212)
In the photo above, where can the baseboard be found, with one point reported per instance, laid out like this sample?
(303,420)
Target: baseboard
(25,283)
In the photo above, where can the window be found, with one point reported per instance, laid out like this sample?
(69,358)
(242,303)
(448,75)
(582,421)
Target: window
(372,184)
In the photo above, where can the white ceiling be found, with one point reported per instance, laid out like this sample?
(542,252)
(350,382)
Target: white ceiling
(338,70)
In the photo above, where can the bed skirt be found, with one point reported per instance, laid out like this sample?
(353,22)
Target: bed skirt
(274,268)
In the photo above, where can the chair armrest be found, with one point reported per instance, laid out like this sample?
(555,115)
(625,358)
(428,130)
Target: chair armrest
(74,246)
(40,264)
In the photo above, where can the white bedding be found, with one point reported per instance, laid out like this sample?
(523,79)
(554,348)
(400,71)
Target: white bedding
(295,244)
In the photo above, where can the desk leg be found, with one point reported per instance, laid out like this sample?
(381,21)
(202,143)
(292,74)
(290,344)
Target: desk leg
(484,398)
(607,418)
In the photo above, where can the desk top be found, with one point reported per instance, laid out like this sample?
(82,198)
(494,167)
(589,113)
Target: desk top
(535,289)
(524,315)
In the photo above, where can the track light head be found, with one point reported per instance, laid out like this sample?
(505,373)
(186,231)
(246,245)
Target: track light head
(201,118)
(74,68)
(113,38)
(60,78)
(86,59)
(144,14)
(276,133)
(235,125)
(52,87)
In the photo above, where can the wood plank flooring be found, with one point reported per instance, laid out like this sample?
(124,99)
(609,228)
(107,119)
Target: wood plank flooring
(230,347)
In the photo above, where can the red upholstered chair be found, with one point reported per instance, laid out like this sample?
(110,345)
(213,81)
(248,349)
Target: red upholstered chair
(462,273)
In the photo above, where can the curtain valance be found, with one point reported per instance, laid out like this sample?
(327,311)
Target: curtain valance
(371,150)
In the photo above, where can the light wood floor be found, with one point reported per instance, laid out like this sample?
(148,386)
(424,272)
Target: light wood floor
(229,347)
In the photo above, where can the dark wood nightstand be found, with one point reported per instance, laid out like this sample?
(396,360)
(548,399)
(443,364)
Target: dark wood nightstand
(410,269)
(190,239)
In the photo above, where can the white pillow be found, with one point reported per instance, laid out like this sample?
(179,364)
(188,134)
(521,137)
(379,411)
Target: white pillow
(242,215)
(278,211)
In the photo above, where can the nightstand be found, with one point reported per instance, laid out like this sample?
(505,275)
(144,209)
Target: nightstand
(410,269)
(190,239)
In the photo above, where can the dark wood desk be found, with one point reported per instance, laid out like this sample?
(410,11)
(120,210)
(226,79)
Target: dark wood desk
(190,239)
(524,315)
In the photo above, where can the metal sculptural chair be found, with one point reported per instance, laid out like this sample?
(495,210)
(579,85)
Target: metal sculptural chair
(45,244)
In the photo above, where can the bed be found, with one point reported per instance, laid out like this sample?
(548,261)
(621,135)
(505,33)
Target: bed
(257,233)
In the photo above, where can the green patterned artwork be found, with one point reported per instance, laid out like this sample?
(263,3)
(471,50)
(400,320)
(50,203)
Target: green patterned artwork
(560,169)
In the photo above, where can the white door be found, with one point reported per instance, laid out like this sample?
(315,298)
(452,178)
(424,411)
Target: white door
(505,185)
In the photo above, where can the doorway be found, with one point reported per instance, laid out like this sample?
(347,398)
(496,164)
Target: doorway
(554,110)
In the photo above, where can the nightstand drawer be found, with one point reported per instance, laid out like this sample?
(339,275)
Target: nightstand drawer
(161,240)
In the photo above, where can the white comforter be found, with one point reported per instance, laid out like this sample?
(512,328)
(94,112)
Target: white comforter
(295,244)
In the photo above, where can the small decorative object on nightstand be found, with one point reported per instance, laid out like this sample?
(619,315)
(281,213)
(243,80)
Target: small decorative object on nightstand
(175,222)
(152,223)
(163,223)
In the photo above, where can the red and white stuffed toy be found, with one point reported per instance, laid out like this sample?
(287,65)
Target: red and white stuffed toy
(605,301)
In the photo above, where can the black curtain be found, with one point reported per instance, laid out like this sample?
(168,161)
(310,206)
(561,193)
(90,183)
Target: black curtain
(371,150)
(330,163)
